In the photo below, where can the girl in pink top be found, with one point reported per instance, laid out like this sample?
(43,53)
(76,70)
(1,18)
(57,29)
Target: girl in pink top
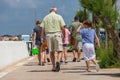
(66,34)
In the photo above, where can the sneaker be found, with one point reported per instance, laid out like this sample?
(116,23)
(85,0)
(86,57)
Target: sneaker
(66,61)
(97,67)
(61,61)
(48,60)
(74,59)
(57,69)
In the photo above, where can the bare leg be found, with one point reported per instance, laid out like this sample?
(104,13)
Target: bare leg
(65,53)
(47,57)
(95,62)
(88,65)
(59,56)
(74,53)
(52,56)
(39,55)
(74,58)
(78,55)
(43,57)
(61,60)
(57,68)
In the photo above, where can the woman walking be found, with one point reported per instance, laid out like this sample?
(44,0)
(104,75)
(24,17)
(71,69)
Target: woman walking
(37,40)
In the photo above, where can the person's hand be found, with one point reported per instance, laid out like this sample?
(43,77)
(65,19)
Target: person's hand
(41,40)
(81,24)
(98,45)
(33,43)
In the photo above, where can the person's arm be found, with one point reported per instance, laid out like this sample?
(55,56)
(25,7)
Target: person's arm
(97,40)
(62,25)
(69,36)
(70,28)
(79,27)
(34,38)
(63,33)
(42,34)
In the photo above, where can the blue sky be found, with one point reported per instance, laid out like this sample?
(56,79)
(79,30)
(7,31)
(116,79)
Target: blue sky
(18,16)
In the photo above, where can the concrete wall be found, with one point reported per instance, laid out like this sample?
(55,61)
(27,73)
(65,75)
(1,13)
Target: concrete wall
(11,52)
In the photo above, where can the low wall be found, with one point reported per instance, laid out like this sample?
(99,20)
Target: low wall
(11,52)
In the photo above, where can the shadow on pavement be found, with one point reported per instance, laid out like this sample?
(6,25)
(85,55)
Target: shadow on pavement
(73,68)
(77,68)
(40,71)
(31,64)
(105,74)
(82,71)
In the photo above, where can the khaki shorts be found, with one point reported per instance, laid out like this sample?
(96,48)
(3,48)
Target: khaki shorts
(54,40)
(78,45)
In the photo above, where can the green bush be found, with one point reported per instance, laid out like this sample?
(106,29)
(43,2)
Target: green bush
(106,58)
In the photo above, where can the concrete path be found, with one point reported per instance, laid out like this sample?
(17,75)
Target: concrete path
(29,70)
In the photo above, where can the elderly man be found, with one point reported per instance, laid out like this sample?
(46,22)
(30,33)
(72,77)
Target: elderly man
(53,24)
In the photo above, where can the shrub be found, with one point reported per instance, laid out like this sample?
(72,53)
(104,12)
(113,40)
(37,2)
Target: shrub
(106,58)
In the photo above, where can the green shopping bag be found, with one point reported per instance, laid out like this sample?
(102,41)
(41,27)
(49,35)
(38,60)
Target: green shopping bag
(35,51)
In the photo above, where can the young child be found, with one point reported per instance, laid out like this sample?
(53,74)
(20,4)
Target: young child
(66,34)
(45,51)
(88,38)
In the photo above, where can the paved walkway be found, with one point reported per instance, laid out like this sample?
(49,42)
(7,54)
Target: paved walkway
(29,70)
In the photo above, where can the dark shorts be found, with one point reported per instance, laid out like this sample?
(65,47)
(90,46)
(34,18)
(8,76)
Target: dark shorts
(38,42)
(65,45)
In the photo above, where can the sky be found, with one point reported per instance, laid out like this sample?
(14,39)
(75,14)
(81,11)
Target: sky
(19,16)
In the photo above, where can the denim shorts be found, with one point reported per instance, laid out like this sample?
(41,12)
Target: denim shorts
(38,42)
(65,45)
